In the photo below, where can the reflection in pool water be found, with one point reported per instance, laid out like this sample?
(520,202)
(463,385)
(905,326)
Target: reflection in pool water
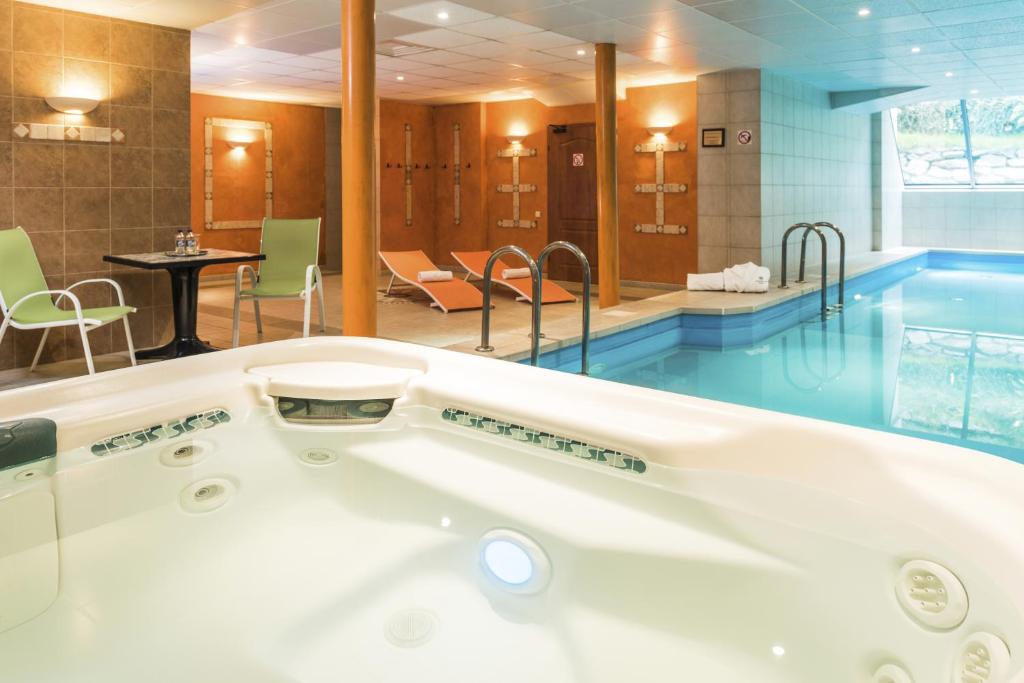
(938,355)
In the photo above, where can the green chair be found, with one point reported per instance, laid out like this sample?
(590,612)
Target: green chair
(290,271)
(31,304)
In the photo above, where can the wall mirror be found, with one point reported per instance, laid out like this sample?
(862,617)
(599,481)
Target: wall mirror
(238,173)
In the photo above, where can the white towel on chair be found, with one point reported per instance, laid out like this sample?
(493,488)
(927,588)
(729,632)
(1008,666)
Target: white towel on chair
(747,277)
(515,273)
(705,282)
(434,275)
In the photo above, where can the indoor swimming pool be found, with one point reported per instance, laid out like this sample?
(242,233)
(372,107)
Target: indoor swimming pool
(932,347)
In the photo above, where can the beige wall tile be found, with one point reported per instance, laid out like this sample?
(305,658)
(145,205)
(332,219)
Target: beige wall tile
(87,165)
(6,73)
(91,77)
(38,30)
(6,7)
(39,209)
(87,208)
(86,37)
(38,164)
(37,75)
(131,208)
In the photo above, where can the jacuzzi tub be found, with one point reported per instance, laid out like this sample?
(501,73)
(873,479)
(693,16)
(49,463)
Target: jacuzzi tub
(500,523)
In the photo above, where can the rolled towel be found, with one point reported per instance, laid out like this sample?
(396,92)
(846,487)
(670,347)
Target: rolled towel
(705,282)
(747,277)
(515,273)
(434,275)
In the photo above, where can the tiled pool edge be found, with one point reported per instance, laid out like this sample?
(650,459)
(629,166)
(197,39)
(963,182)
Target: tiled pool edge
(703,321)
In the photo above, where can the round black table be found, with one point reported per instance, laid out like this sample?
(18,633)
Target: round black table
(184,272)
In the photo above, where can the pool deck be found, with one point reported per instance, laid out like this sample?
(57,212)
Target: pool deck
(514,344)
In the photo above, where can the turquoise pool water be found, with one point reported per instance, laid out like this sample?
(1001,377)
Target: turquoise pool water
(938,354)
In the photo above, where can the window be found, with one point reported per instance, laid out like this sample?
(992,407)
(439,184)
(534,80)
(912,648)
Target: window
(970,143)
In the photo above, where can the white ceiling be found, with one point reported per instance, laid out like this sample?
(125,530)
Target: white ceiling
(501,49)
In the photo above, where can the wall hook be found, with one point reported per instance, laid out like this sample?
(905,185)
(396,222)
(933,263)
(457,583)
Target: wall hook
(398,165)
(387,165)
(444,166)
(426,167)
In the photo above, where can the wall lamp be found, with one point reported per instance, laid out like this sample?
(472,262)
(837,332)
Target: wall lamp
(660,132)
(516,139)
(72,105)
(239,144)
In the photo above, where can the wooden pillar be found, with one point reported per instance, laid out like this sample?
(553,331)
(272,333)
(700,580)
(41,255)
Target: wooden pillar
(607,179)
(358,221)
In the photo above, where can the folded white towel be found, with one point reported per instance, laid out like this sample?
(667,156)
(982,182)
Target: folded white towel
(747,277)
(705,282)
(434,275)
(515,273)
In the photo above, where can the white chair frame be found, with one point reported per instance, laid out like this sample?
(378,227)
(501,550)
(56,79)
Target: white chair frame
(314,282)
(85,325)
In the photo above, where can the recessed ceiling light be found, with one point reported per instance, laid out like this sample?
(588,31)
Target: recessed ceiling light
(581,52)
(399,78)
(974,92)
(863,12)
(915,49)
(240,40)
(442,15)
(949,74)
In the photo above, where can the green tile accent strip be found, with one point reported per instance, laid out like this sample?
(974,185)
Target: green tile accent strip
(549,442)
(161,432)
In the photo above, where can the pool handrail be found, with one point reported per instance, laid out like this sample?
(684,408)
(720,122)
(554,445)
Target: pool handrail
(824,262)
(585,265)
(842,258)
(485,320)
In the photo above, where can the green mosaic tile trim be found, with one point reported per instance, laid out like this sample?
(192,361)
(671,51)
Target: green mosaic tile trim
(549,442)
(161,432)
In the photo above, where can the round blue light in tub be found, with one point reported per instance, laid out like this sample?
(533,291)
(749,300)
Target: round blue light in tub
(514,562)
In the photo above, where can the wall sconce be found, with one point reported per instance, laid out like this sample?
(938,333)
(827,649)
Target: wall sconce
(660,132)
(72,105)
(239,145)
(516,139)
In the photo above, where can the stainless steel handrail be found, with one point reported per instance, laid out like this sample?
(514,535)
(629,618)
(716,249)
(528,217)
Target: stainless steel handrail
(842,258)
(582,258)
(824,261)
(485,324)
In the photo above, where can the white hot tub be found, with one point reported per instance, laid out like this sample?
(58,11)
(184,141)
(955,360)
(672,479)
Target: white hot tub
(365,511)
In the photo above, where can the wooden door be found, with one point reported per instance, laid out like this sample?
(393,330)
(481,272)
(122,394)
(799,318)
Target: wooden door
(572,197)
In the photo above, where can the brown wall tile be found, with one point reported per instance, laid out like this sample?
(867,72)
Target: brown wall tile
(39,209)
(131,208)
(86,37)
(6,164)
(171,90)
(131,86)
(6,8)
(38,164)
(171,50)
(131,167)
(6,73)
(6,104)
(137,286)
(91,77)
(163,322)
(87,208)
(34,110)
(171,207)
(36,75)
(131,43)
(26,342)
(137,124)
(131,241)
(170,168)
(6,207)
(87,165)
(49,248)
(84,251)
(141,323)
(170,128)
(38,30)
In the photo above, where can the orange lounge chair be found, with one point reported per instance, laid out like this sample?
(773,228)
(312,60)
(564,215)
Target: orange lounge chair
(476,261)
(453,295)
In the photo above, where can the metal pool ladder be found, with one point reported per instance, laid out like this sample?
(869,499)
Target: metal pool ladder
(585,266)
(808,228)
(485,321)
(536,300)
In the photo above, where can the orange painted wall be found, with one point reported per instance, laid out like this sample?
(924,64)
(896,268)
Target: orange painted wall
(395,235)
(469,234)
(298,137)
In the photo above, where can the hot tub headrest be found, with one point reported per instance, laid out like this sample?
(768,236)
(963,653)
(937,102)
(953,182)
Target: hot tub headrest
(28,440)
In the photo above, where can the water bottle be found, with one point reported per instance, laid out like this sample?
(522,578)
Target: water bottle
(179,243)
(191,244)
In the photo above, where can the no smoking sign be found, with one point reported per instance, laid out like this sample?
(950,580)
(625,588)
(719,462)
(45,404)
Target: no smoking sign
(744,137)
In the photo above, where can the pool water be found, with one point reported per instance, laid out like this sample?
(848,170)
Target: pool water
(938,355)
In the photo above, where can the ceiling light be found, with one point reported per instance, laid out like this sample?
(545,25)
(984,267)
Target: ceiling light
(863,12)
(399,78)
(442,15)
(581,52)
(915,49)
(974,91)
(949,74)
(241,40)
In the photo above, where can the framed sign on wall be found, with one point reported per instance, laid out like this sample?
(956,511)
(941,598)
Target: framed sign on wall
(712,137)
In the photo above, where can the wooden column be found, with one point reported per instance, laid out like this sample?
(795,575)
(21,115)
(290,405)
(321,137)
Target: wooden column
(358,221)
(607,179)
